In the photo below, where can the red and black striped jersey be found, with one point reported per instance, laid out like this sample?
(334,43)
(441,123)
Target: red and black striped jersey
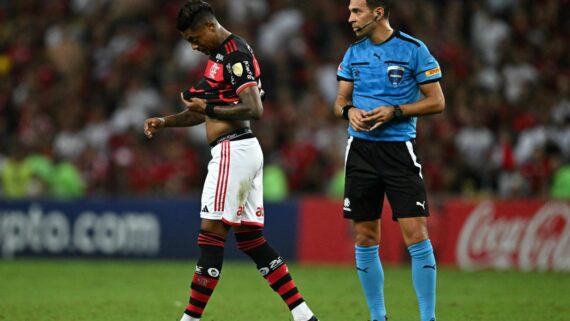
(231,68)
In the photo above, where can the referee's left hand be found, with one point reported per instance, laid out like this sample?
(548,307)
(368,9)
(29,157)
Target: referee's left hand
(378,116)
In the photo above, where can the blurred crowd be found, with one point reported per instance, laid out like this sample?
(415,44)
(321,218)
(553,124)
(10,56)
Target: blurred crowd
(79,77)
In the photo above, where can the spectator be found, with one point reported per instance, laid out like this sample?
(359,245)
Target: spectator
(79,81)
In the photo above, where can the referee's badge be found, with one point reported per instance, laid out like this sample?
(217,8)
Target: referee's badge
(395,75)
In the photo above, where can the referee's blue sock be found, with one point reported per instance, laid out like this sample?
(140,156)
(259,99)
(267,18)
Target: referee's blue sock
(424,275)
(371,277)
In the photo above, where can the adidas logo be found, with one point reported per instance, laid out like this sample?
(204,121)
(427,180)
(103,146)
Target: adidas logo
(205,209)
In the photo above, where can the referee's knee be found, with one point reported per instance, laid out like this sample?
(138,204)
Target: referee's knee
(367,238)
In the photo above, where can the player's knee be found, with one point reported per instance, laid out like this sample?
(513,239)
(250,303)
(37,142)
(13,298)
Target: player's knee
(366,233)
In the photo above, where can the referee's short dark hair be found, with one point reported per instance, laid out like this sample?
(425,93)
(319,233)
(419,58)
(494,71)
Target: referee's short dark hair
(386,4)
(193,14)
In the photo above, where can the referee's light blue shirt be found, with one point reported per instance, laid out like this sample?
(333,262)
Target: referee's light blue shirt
(388,74)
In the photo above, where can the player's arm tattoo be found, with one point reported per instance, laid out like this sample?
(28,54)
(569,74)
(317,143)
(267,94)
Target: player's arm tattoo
(186,118)
(249,108)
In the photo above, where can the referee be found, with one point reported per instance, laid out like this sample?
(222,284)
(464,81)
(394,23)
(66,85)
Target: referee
(386,80)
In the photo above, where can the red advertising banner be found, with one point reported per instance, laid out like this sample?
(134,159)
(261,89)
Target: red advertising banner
(525,235)
(326,237)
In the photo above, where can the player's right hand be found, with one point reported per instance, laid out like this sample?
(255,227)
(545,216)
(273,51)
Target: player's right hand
(152,125)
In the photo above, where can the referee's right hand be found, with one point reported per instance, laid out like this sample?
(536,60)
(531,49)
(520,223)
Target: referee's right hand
(356,119)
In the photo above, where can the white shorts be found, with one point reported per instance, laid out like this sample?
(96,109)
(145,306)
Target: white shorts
(233,190)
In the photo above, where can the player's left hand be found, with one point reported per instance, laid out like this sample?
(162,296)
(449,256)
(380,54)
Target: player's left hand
(378,116)
(194,104)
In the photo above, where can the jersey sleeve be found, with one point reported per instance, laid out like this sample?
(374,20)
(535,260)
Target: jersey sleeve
(427,68)
(344,71)
(240,71)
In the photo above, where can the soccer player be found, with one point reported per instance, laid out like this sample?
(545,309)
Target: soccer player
(226,99)
(386,80)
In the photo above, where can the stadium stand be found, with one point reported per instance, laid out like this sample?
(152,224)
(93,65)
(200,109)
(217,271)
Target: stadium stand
(78,78)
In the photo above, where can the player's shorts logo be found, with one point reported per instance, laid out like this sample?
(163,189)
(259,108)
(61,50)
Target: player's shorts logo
(395,75)
(346,205)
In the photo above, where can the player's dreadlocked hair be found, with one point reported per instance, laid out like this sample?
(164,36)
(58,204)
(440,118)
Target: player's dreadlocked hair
(386,4)
(192,14)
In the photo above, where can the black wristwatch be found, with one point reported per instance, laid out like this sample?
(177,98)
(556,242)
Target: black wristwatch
(397,111)
(345,110)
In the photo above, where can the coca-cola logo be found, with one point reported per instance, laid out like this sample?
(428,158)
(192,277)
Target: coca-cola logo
(540,241)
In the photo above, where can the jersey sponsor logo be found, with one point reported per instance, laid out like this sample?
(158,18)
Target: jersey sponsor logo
(433,72)
(237,69)
(214,70)
(395,75)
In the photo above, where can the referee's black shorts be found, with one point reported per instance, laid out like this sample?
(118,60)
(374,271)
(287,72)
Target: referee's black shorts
(375,168)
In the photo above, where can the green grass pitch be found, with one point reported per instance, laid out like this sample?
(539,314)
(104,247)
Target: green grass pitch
(60,290)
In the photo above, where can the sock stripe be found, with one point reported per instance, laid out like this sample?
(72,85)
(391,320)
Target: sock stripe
(197,311)
(295,304)
(214,235)
(277,274)
(289,293)
(201,289)
(251,244)
(211,239)
(200,296)
(192,314)
(197,303)
(293,299)
(286,288)
(282,281)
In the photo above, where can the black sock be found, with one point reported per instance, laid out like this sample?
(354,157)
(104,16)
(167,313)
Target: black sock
(270,265)
(207,274)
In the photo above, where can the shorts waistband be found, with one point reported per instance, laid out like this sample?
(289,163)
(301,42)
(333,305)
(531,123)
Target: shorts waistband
(237,134)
